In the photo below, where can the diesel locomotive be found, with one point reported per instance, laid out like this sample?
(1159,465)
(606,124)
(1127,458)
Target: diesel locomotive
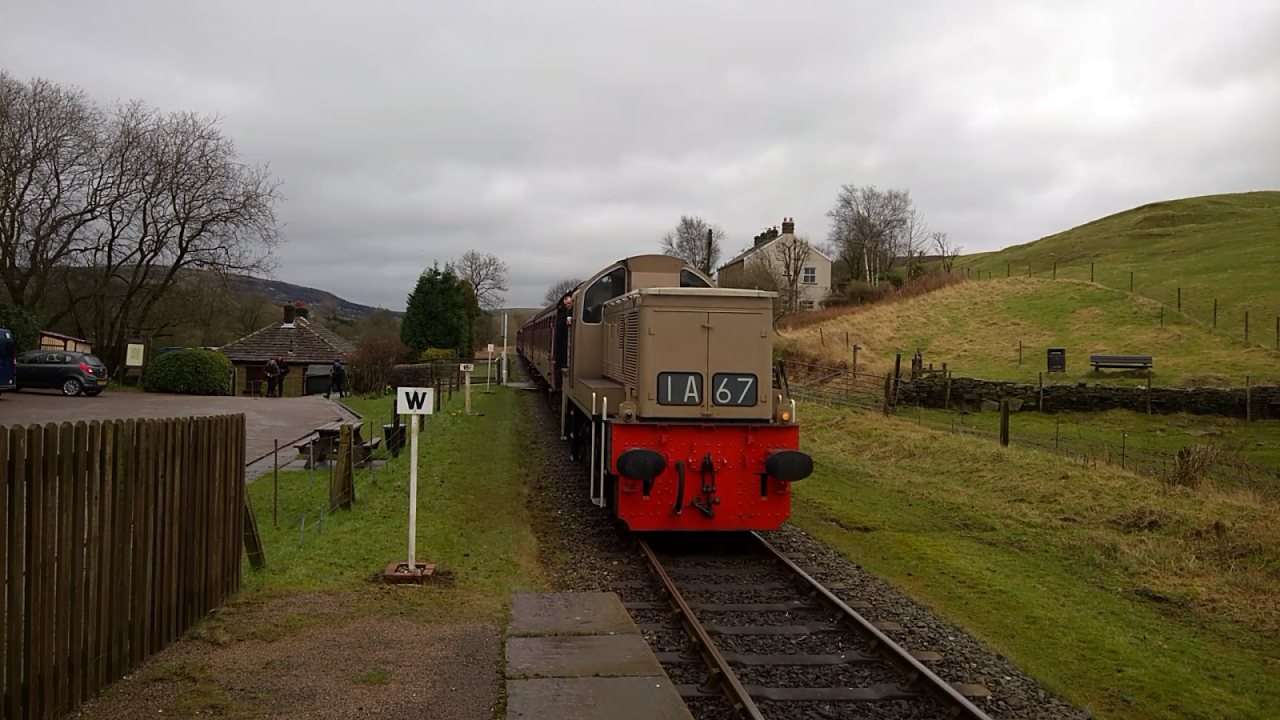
(666,386)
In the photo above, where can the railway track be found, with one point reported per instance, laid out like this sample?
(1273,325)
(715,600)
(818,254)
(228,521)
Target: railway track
(745,632)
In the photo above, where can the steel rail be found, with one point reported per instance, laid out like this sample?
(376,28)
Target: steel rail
(723,674)
(894,653)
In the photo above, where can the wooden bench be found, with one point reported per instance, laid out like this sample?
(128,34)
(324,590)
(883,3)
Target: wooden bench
(364,452)
(1121,362)
(325,443)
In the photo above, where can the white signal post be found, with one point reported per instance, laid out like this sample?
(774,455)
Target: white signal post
(502,366)
(414,402)
(488,370)
(467,369)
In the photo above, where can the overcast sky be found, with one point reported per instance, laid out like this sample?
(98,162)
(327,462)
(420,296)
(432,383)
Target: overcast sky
(564,135)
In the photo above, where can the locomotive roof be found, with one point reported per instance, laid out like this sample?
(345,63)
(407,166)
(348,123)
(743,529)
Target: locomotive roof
(695,292)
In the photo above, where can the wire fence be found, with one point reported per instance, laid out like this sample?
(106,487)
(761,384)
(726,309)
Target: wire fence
(299,489)
(840,387)
(1257,325)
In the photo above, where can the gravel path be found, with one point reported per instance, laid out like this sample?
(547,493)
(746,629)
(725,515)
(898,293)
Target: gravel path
(589,551)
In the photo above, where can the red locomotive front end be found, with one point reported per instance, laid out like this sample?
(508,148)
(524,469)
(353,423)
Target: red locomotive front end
(711,477)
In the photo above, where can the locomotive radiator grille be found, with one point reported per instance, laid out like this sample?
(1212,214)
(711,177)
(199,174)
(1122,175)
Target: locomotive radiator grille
(622,348)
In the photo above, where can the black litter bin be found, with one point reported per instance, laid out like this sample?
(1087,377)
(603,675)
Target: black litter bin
(395,437)
(1057,359)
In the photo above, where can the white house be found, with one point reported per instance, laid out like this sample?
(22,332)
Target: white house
(776,254)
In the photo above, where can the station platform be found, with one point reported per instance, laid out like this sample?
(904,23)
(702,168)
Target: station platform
(579,656)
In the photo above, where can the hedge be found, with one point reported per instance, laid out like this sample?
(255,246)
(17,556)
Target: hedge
(193,371)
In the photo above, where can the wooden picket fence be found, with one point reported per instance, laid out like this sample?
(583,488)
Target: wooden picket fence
(117,537)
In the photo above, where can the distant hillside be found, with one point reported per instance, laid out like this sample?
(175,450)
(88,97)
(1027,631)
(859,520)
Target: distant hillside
(976,327)
(1223,247)
(282,292)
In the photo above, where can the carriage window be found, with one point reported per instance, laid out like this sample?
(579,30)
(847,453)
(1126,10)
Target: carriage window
(602,291)
(689,278)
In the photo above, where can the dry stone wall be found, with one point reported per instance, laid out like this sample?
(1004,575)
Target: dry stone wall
(972,394)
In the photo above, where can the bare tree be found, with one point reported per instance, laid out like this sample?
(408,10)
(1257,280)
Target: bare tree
(946,248)
(695,242)
(116,221)
(779,269)
(867,228)
(52,181)
(183,201)
(487,275)
(374,359)
(557,291)
(253,311)
(790,253)
(914,240)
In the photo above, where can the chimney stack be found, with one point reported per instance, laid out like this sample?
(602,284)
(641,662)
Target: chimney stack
(788,226)
(288,313)
(300,309)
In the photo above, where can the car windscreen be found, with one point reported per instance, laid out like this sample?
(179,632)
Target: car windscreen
(91,360)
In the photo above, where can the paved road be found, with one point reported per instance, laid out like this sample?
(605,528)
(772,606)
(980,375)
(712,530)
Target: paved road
(266,419)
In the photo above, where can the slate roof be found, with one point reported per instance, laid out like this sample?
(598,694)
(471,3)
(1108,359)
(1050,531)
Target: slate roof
(757,248)
(303,342)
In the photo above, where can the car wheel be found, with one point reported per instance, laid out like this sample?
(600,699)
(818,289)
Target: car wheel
(71,387)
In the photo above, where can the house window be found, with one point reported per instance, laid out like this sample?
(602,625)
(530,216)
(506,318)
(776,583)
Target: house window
(810,276)
(809,305)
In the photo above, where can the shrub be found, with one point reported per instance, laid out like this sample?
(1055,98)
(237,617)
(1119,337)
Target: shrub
(370,368)
(437,354)
(893,279)
(862,293)
(24,326)
(192,371)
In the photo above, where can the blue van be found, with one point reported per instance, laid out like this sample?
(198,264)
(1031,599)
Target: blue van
(8,362)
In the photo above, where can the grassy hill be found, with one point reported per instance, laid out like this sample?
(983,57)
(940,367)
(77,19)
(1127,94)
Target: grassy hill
(1223,247)
(975,327)
(282,292)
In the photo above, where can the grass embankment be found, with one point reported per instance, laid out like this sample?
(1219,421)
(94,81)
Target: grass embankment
(975,328)
(1258,441)
(1120,594)
(471,517)
(1220,247)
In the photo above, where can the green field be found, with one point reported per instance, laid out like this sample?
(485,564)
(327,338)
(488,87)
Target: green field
(1223,247)
(1125,596)
(977,328)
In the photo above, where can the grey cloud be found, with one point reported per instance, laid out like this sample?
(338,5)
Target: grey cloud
(564,135)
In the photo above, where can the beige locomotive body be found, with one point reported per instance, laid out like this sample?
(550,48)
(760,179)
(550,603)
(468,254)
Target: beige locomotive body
(666,385)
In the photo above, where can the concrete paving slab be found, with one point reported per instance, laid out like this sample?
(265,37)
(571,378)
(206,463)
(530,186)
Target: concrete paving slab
(585,613)
(580,656)
(629,698)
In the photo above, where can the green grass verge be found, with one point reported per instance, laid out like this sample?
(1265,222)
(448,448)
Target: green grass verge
(1219,247)
(1123,596)
(1258,441)
(471,517)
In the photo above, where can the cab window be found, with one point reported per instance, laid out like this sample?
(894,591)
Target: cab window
(608,287)
(689,278)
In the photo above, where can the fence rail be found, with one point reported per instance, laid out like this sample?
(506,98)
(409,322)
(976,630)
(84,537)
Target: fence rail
(842,387)
(117,536)
(835,386)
